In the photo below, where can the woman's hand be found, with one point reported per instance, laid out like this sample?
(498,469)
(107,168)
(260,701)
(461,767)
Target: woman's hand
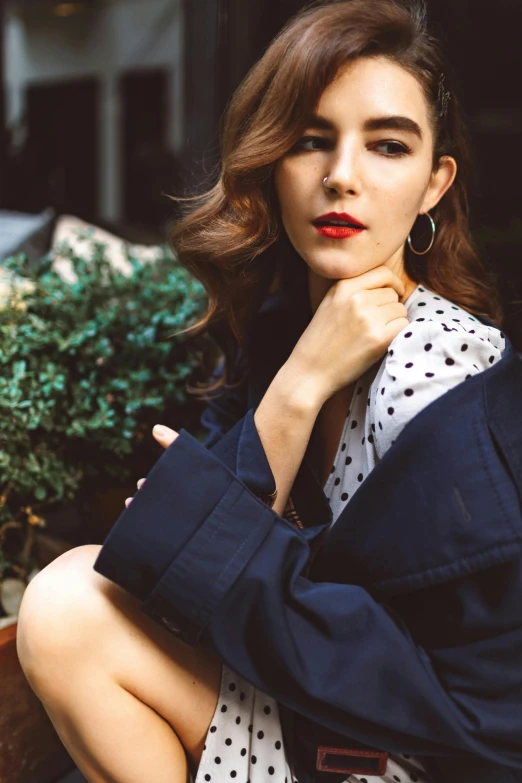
(165,437)
(351,330)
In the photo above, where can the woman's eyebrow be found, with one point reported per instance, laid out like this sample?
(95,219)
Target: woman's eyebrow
(316,122)
(394,122)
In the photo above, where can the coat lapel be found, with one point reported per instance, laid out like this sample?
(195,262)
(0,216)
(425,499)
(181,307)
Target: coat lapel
(442,503)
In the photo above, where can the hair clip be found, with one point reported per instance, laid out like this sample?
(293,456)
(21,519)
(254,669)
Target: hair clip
(444,96)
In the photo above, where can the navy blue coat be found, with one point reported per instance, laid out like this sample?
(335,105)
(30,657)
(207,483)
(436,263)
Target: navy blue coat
(404,631)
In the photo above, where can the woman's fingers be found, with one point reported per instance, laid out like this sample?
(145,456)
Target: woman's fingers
(139,484)
(164,435)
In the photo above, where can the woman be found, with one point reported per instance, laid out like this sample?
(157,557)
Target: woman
(341,147)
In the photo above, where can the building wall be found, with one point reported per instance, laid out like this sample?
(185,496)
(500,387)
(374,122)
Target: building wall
(104,42)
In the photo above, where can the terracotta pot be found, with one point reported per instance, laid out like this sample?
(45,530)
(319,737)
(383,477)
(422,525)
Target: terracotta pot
(30,749)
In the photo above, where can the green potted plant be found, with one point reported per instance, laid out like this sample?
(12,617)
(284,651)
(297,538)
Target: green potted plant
(88,365)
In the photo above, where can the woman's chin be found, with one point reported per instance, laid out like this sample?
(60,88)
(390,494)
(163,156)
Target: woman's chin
(334,269)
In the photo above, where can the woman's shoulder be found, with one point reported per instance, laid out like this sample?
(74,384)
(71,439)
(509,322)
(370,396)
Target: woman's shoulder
(438,327)
(442,346)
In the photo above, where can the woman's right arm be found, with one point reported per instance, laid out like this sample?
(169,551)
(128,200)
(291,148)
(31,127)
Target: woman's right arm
(284,421)
(351,330)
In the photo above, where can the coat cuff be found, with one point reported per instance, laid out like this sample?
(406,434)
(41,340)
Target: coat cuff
(195,583)
(192,510)
(252,466)
(241,450)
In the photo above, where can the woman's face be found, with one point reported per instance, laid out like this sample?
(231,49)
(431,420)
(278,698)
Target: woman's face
(372,138)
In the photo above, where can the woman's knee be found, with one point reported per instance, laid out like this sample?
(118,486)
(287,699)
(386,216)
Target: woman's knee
(57,611)
(73,620)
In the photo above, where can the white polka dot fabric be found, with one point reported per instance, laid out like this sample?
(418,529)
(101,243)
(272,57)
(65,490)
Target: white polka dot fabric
(244,742)
(442,346)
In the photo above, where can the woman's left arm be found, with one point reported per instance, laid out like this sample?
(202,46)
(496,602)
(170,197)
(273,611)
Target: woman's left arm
(214,564)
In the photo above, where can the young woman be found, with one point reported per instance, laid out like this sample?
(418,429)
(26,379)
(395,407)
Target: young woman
(346,294)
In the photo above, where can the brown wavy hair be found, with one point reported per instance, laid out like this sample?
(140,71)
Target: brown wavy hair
(225,232)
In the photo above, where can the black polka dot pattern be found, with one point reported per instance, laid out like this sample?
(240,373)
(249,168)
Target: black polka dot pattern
(245,741)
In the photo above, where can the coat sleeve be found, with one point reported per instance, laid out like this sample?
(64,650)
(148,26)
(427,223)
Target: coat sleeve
(232,436)
(215,565)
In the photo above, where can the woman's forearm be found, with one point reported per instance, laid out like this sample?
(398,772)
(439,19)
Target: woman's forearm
(284,420)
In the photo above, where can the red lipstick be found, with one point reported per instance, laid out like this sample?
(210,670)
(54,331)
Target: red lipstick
(338,225)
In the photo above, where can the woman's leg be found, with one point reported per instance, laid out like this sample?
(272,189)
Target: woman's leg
(130,702)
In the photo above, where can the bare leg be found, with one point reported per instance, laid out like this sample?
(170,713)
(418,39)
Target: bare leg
(130,702)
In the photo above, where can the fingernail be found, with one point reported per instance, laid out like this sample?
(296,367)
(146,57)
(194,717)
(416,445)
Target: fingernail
(159,431)
(141,482)
(128,502)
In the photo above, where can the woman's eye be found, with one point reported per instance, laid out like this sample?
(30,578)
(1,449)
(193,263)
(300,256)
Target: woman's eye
(306,142)
(394,149)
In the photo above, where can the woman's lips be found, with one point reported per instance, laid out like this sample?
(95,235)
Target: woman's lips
(338,232)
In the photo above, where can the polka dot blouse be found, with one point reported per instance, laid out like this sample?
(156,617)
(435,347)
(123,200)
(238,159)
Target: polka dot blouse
(442,346)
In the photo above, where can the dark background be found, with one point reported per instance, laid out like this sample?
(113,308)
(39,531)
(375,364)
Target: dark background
(223,38)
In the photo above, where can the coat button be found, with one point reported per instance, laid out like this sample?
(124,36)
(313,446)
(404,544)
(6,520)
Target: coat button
(170,625)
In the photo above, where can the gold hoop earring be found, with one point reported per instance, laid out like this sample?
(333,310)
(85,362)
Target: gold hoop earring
(434,229)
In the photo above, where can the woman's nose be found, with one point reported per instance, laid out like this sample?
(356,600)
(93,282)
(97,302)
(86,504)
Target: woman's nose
(344,175)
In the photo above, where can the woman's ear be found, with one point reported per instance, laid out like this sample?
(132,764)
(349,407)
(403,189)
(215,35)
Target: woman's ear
(441,181)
